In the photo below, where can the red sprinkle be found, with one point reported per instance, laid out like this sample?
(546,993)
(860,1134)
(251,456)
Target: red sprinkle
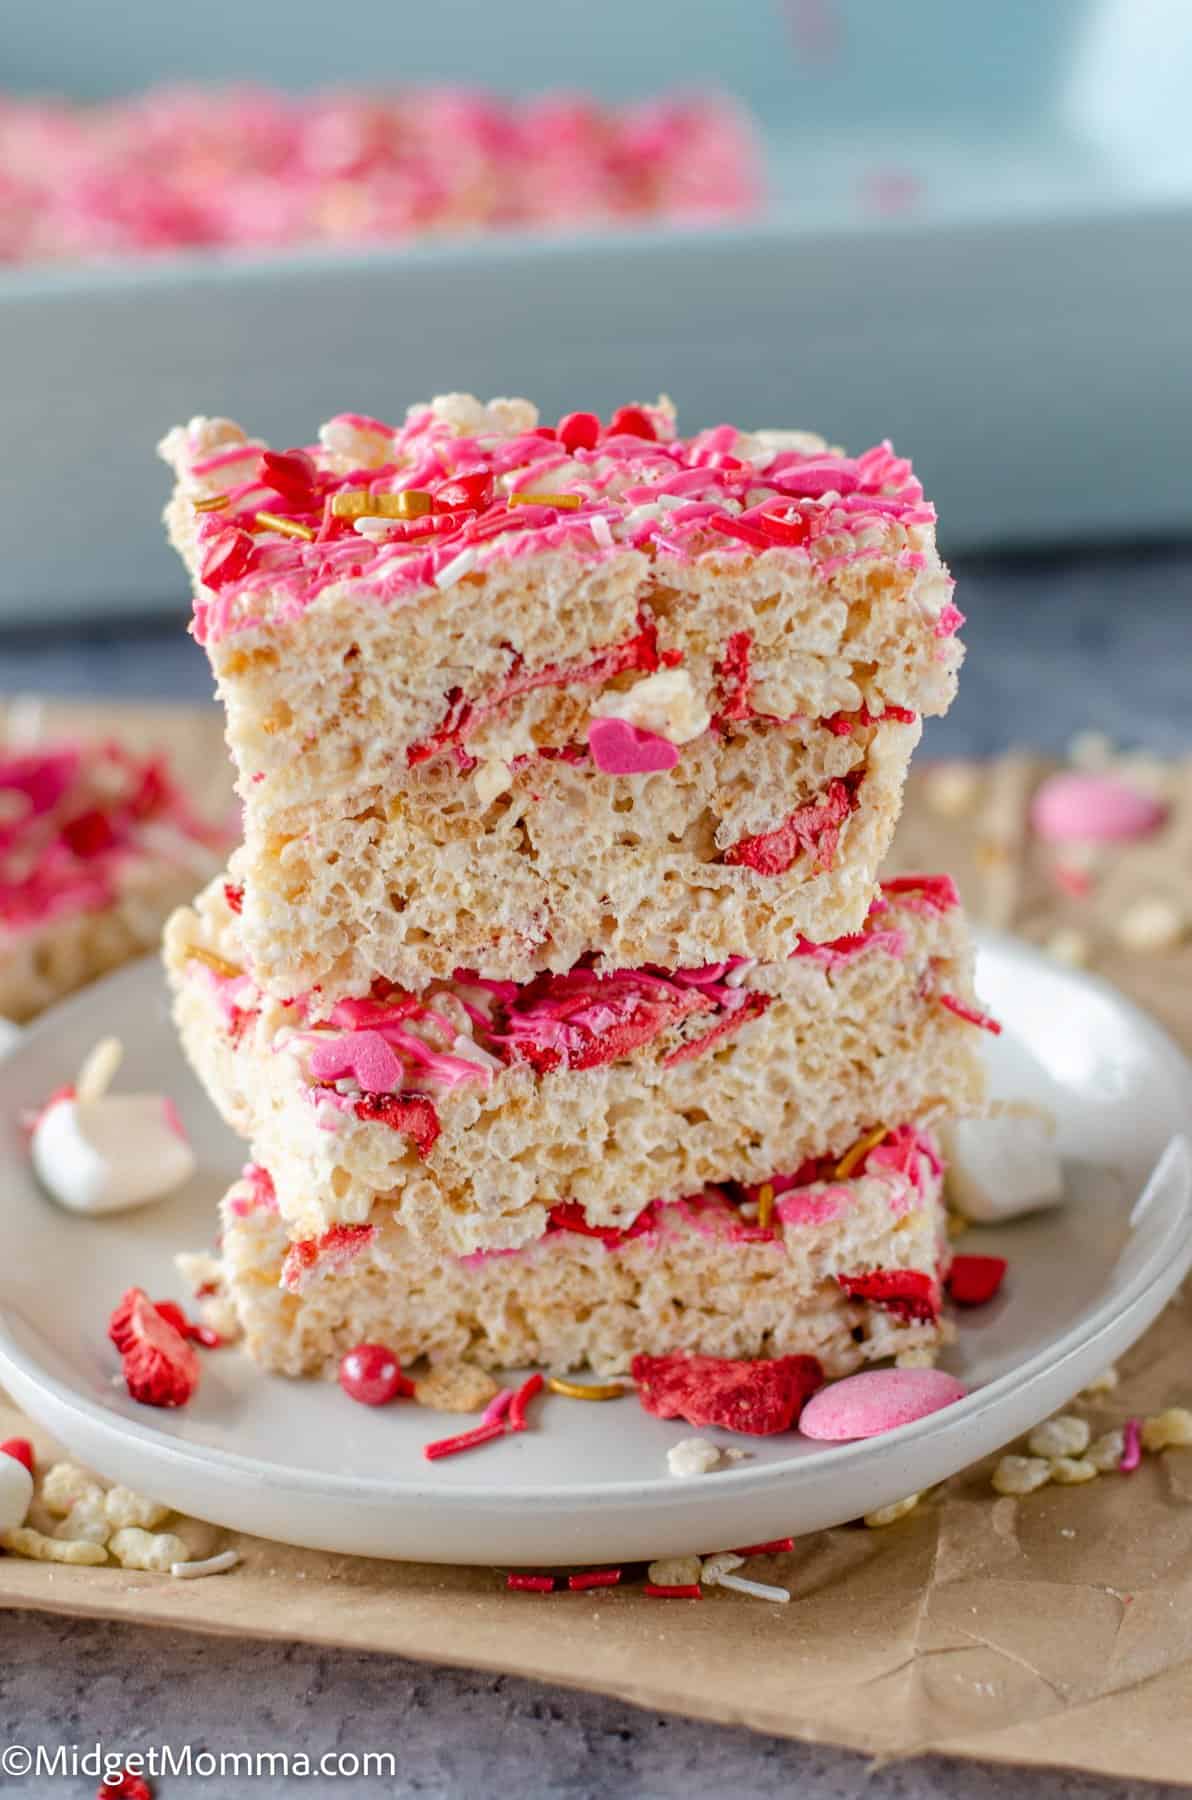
(530,1584)
(372,1375)
(631,421)
(472,492)
(591,1578)
(970,1014)
(688,1591)
(1132,1446)
(775,1547)
(20,1449)
(517,1406)
(234,895)
(228,556)
(466,1440)
(580,431)
(974,1280)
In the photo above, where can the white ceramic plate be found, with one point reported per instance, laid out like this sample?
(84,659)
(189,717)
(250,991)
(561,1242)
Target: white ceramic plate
(296,1461)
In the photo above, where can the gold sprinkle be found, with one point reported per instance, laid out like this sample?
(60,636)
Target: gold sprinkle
(213,503)
(287,527)
(351,503)
(579,1390)
(765,1205)
(412,503)
(358,503)
(564,502)
(853,1157)
(198,953)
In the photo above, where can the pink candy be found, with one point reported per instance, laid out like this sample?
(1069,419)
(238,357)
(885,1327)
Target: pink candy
(362,1054)
(619,748)
(1098,808)
(863,1406)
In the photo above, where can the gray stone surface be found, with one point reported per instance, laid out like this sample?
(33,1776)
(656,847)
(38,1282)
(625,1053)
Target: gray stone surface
(1055,646)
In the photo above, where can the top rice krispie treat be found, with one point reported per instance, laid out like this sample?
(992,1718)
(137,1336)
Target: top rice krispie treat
(503,694)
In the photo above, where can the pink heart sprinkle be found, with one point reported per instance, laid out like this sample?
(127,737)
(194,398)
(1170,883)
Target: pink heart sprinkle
(619,748)
(362,1054)
(877,1400)
(1074,805)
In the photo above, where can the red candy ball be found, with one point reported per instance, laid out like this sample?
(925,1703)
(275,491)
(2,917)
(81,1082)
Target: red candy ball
(370,1374)
(579,431)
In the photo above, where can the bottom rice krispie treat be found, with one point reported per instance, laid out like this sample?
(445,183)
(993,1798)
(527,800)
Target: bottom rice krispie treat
(842,1260)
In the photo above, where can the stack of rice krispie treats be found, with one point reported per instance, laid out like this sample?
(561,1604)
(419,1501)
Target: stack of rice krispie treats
(553,985)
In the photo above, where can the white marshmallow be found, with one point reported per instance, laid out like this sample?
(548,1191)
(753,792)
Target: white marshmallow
(16,1492)
(108,1154)
(1001,1168)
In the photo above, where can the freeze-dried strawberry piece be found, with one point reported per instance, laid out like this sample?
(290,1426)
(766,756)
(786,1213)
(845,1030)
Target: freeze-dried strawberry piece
(234,895)
(974,1280)
(752,1007)
(736,677)
(329,1253)
(568,1215)
(908,1292)
(160,1368)
(755,1397)
(412,1113)
(582,1020)
(814,827)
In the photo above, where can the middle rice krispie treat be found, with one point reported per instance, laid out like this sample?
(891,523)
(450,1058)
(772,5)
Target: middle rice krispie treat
(503,696)
(475,1111)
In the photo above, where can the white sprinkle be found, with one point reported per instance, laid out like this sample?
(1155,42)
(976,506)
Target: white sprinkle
(374,528)
(99,1069)
(761,1590)
(460,565)
(601,531)
(210,1565)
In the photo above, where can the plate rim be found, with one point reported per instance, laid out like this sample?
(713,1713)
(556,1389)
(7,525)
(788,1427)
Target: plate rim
(241,1467)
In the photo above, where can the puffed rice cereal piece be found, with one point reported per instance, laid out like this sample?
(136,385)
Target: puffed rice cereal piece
(723,1563)
(1070,1471)
(1104,1383)
(23,1541)
(692,1456)
(675,1571)
(1021,1474)
(889,1515)
(1106,1452)
(455,1387)
(135,1549)
(1063,1436)
(1153,923)
(921,1358)
(64,1484)
(86,1522)
(1169,1430)
(123,1507)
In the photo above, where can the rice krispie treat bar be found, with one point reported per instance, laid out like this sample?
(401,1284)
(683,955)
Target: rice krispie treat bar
(846,1270)
(503,695)
(471,1110)
(97,847)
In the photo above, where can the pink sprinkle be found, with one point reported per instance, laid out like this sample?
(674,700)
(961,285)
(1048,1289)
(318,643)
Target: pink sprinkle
(877,1400)
(970,1014)
(498,1406)
(362,1054)
(530,1584)
(1132,1446)
(619,748)
(1093,808)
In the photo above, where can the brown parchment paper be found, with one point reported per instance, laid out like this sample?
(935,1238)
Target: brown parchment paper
(1052,1630)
